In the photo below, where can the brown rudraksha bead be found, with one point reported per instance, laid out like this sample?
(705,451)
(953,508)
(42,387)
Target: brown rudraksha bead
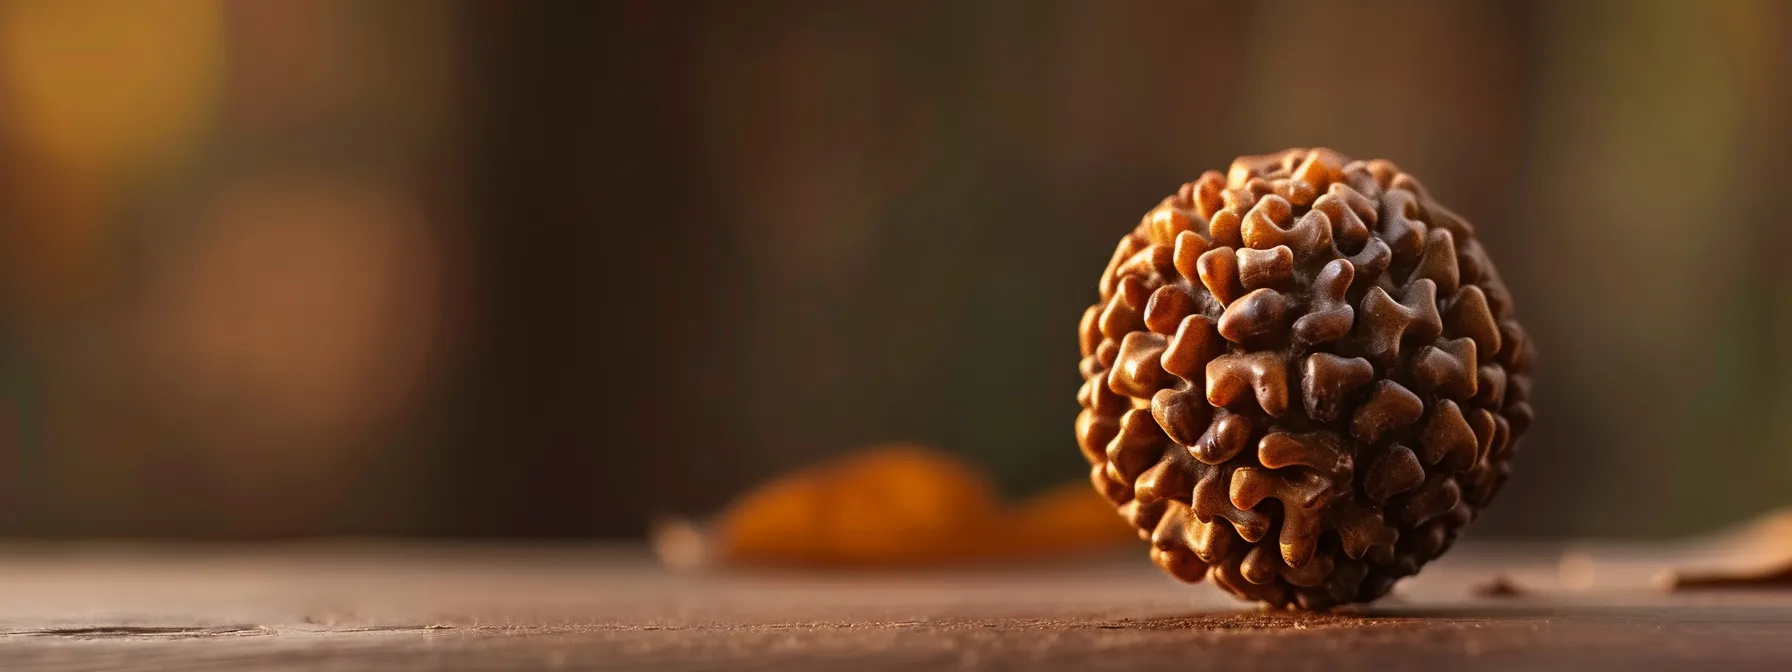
(1303,378)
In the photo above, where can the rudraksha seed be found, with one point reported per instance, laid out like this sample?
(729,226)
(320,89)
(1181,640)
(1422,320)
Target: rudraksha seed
(1303,378)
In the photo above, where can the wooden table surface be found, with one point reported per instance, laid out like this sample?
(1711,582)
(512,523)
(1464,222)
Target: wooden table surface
(377,606)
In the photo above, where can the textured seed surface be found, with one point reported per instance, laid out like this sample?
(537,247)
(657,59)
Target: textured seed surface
(1302,379)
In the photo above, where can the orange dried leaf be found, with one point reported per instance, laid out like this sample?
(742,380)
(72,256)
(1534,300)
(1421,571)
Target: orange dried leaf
(893,505)
(1070,517)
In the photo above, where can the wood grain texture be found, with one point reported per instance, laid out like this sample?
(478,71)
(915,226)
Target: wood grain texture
(409,607)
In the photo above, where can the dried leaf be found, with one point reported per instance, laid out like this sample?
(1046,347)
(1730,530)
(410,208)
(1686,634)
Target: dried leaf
(1756,553)
(890,505)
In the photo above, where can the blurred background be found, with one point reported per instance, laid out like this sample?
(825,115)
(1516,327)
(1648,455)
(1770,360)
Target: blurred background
(304,267)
